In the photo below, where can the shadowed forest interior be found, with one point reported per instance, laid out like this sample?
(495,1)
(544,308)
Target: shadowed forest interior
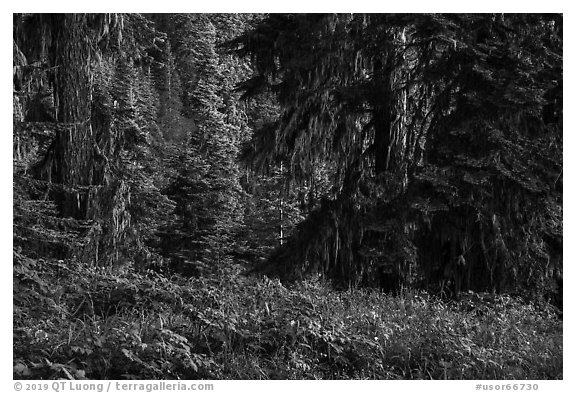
(287,196)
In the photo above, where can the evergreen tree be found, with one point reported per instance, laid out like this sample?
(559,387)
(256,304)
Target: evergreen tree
(398,103)
(73,170)
(207,189)
(494,157)
(108,205)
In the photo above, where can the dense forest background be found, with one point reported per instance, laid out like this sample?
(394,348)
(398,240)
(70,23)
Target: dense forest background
(402,153)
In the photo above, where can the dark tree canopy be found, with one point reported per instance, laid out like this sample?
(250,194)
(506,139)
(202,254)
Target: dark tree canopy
(444,133)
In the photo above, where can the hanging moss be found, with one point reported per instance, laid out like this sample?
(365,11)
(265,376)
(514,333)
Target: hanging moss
(441,134)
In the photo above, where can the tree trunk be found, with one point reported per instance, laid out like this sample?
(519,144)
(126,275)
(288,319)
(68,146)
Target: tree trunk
(73,149)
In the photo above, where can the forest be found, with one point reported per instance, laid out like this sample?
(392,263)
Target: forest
(287,196)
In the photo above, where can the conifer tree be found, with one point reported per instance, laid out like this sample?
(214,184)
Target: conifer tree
(102,201)
(74,170)
(424,118)
(207,188)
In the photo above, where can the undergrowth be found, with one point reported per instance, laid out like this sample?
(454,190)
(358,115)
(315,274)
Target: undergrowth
(78,322)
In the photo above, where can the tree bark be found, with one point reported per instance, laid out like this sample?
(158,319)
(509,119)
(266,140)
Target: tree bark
(73,149)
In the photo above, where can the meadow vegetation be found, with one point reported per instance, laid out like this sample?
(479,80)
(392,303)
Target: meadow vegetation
(73,321)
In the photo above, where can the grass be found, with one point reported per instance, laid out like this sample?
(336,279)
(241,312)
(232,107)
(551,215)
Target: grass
(72,321)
